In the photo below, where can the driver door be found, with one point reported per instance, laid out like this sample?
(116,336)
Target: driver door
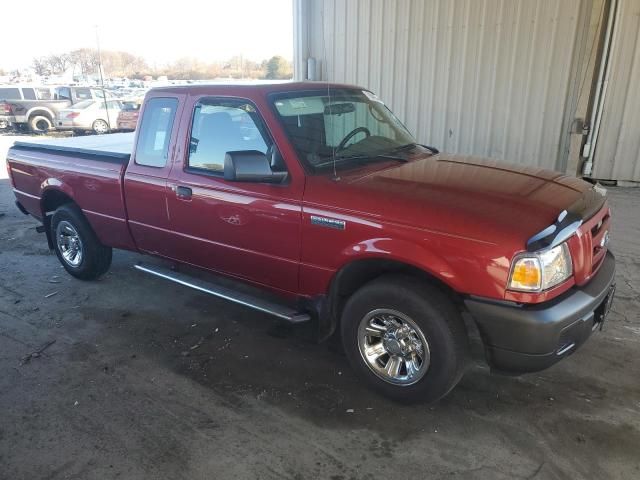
(247,230)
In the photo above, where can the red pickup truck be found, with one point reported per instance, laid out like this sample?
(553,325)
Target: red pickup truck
(312,202)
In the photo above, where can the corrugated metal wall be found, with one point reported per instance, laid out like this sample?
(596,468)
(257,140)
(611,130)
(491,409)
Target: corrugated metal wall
(617,154)
(482,77)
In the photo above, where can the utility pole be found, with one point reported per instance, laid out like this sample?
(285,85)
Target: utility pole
(104,95)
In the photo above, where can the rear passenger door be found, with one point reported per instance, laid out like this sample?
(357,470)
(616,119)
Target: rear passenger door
(145,182)
(247,230)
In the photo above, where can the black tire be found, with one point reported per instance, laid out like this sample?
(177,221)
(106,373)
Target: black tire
(95,259)
(40,124)
(436,317)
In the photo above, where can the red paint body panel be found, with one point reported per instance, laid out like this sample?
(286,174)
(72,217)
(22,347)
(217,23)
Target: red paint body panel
(459,219)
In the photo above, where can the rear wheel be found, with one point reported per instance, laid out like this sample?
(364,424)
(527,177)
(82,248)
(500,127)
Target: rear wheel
(100,127)
(76,244)
(40,124)
(405,339)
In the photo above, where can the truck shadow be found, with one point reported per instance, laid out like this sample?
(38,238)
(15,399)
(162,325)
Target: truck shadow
(248,359)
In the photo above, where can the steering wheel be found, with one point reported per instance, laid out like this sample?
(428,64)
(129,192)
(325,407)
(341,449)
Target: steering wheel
(343,143)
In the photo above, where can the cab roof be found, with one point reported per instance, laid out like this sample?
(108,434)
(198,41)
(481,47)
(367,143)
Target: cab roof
(250,86)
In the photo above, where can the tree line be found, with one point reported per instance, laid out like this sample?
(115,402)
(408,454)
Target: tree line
(86,61)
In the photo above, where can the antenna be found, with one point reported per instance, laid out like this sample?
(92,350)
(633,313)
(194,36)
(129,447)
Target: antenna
(326,72)
(104,95)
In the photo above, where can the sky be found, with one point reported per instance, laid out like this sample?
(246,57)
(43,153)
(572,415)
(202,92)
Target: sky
(159,30)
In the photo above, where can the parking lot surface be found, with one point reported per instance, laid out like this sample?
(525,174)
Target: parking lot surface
(146,379)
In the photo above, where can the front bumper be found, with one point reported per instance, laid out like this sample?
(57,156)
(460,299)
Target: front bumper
(529,338)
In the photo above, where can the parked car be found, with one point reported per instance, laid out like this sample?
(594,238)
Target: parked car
(128,116)
(99,116)
(9,93)
(39,115)
(333,213)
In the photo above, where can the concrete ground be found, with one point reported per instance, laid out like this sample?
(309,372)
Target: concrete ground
(146,379)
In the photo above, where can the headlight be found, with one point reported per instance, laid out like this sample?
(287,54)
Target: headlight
(538,271)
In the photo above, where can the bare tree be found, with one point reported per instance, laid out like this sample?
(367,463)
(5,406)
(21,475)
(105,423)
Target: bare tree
(59,63)
(86,59)
(41,66)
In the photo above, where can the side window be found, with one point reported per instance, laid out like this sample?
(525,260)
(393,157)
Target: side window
(83,93)
(63,93)
(28,94)
(224,125)
(98,93)
(155,131)
(10,94)
(113,105)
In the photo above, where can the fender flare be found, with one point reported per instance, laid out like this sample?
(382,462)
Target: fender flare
(385,255)
(35,110)
(56,187)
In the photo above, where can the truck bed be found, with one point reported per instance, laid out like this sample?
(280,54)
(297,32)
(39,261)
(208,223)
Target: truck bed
(89,170)
(116,147)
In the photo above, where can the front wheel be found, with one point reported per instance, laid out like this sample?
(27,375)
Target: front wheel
(76,245)
(405,339)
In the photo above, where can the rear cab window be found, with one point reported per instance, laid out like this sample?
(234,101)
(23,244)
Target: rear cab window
(155,131)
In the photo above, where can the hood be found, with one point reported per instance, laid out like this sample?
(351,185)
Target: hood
(470,197)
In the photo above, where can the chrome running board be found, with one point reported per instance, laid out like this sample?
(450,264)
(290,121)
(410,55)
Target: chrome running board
(281,311)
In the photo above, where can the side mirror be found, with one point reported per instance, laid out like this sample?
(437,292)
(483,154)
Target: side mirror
(250,166)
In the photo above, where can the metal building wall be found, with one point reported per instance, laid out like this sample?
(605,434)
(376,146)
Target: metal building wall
(617,154)
(483,77)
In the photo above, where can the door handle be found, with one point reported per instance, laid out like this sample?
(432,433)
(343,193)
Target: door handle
(184,193)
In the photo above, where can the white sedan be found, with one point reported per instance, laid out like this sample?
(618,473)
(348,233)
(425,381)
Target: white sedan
(90,115)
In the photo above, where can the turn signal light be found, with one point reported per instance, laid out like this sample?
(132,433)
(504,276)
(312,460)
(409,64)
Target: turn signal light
(526,274)
(541,270)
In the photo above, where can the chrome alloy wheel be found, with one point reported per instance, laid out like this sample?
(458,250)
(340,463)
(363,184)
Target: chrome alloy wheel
(69,243)
(393,346)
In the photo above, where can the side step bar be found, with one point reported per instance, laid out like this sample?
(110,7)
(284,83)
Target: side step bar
(281,311)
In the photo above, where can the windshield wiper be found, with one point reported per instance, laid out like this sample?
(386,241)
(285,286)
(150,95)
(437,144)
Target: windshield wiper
(408,146)
(403,147)
(345,158)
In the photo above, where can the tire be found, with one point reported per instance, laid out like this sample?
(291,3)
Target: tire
(100,127)
(40,124)
(70,231)
(418,326)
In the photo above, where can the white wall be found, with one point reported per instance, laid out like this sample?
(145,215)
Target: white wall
(484,77)
(617,153)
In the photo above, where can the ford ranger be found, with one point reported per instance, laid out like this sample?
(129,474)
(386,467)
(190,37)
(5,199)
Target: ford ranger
(313,203)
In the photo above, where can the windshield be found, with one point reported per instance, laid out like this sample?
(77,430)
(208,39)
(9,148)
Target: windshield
(350,126)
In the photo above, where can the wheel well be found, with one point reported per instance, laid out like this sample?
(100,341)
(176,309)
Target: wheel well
(42,113)
(51,200)
(356,274)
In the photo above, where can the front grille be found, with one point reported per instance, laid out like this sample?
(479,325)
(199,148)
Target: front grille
(597,229)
